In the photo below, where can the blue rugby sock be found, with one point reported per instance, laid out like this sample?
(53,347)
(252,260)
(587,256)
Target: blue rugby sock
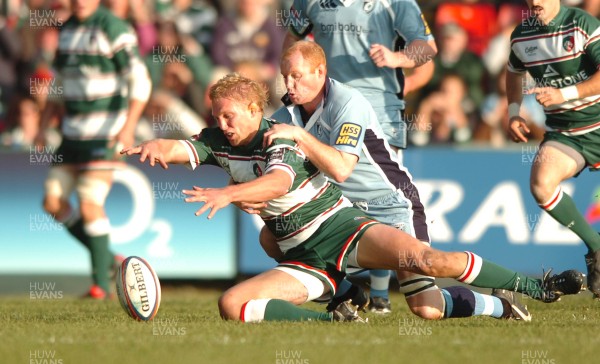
(343,287)
(462,302)
(380,282)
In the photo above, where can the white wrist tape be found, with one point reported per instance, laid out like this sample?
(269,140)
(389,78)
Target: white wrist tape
(513,109)
(569,93)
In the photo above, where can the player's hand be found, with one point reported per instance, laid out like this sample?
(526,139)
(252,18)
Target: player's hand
(280,131)
(382,56)
(547,96)
(517,129)
(213,198)
(149,150)
(252,208)
(122,140)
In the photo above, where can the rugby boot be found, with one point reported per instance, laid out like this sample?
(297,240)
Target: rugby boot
(513,308)
(346,312)
(380,305)
(96,293)
(355,294)
(553,287)
(592,261)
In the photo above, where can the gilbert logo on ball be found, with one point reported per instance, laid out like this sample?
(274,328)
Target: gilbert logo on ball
(138,288)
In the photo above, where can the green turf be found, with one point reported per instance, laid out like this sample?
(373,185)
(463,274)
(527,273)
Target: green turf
(188,330)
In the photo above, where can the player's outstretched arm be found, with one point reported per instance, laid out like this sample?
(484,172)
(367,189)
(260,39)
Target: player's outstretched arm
(272,185)
(163,151)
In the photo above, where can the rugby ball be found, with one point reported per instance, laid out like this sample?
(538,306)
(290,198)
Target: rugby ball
(138,288)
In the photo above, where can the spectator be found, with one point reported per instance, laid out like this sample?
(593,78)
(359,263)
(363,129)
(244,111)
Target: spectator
(249,37)
(196,18)
(10,48)
(477,18)
(23,124)
(454,58)
(171,118)
(493,123)
(442,117)
(178,64)
(496,55)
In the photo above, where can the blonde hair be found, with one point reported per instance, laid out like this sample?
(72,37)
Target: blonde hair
(239,88)
(311,52)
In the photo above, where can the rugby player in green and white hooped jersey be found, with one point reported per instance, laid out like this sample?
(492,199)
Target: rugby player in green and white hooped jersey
(320,246)
(560,49)
(284,215)
(105,88)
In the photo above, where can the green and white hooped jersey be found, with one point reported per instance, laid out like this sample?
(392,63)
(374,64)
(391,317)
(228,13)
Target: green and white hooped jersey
(563,53)
(346,29)
(310,200)
(93,62)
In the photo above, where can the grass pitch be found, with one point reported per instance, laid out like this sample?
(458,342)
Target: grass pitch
(188,329)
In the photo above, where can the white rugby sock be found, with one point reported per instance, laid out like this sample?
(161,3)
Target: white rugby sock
(254,310)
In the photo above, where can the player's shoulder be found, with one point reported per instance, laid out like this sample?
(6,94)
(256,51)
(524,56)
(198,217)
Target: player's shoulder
(520,30)
(577,12)
(411,2)
(272,120)
(209,136)
(112,25)
(280,116)
(341,91)
(340,94)
(71,22)
(581,18)
(403,3)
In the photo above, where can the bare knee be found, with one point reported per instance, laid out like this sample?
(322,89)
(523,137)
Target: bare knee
(428,304)
(230,306)
(541,189)
(427,312)
(55,206)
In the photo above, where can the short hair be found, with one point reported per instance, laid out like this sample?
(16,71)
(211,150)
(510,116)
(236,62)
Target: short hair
(239,88)
(311,52)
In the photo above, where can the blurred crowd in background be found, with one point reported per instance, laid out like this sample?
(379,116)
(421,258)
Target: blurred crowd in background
(189,44)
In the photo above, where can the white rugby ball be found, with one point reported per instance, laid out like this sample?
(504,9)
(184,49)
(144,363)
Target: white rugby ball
(138,288)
